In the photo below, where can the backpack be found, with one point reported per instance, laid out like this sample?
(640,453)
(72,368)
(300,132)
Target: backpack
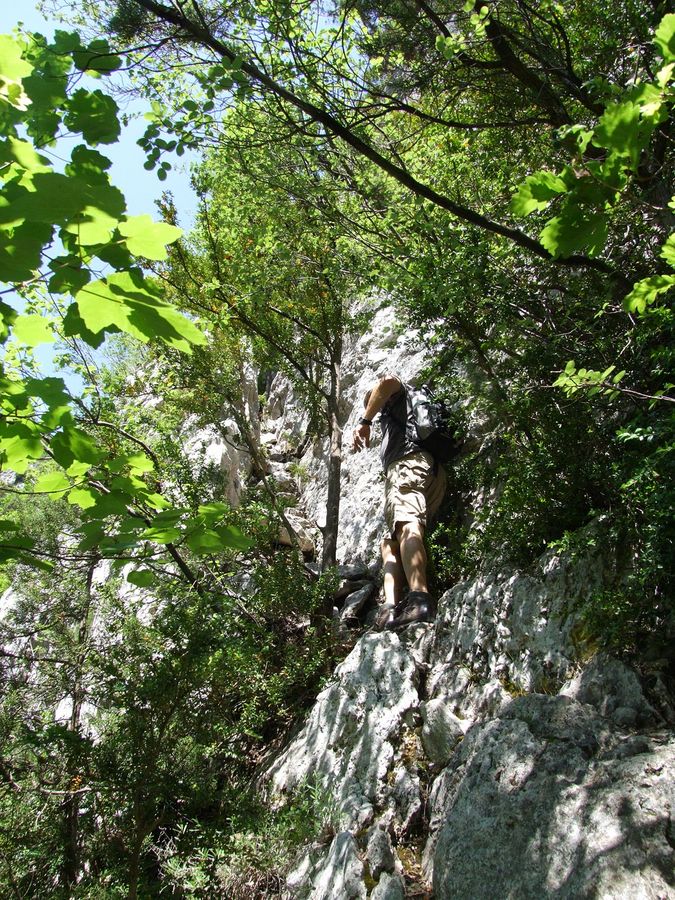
(429,426)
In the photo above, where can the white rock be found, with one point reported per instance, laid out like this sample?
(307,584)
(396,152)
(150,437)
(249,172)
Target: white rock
(347,743)
(389,887)
(441,730)
(544,801)
(337,875)
(305,532)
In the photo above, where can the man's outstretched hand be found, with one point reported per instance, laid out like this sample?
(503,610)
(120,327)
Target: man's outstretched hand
(360,437)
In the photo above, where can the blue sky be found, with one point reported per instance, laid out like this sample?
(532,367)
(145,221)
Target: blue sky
(140,187)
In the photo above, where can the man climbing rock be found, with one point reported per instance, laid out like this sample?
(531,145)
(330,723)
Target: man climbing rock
(414,488)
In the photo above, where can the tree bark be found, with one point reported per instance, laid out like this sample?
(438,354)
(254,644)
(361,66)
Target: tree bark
(330,533)
(71,804)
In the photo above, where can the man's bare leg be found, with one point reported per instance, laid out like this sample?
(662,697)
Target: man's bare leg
(413,554)
(419,607)
(392,568)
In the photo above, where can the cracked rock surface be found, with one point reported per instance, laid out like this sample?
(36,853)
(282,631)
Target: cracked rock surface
(454,772)
(546,800)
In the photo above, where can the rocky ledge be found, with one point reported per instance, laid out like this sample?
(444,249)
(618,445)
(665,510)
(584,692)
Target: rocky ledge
(478,758)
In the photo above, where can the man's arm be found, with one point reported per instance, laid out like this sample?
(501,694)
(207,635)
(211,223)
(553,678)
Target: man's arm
(383,391)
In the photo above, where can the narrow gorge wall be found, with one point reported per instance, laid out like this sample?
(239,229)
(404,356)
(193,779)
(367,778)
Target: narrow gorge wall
(490,754)
(479,758)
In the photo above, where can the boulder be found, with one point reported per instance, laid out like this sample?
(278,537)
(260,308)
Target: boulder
(614,689)
(544,801)
(335,875)
(305,533)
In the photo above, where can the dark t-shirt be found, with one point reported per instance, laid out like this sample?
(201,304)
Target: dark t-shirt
(395,444)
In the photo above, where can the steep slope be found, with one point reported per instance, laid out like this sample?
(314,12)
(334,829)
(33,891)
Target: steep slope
(491,754)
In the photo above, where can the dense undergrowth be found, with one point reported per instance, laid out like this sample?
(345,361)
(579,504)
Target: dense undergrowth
(516,208)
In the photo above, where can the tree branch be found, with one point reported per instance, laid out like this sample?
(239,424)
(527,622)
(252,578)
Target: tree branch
(205,38)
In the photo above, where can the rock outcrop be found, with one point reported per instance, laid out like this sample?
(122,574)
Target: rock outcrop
(489,755)
(476,758)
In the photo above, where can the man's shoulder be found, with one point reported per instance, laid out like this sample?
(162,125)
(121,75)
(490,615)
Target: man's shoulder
(392,380)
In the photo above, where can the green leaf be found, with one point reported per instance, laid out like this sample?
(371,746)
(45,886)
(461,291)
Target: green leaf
(24,154)
(664,75)
(60,199)
(619,130)
(130,303)
(235,538)
(212,512)
(215,540)
(52,483)
(161,534)
(21,251)
(156,501)
(92,226)
(536,192)
(78,469)
(74,326)
(668,251)
(573,230)
(645,292)
(116,255)
(664,37)
(13,69)
(97,58)
(147,238)
(131,524)
(66,41)
(88,164)
(69,275)
(118,544)
(137,462)
(72,444)
(142,578)
(7,318)
(93,533)
(84,497)
(33,330)
(114,503)
(206,540)
(51,391)
(12,65)
(94,115)
(19,448)
(167,517)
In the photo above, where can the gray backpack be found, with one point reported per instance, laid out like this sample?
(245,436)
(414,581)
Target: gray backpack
(429,425)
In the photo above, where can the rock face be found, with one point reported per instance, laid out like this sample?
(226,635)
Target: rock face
(485,755)
(384,348)
(547,800)
(477,758)
(348,742)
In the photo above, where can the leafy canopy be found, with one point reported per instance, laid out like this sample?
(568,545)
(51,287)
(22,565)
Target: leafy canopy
(73,263)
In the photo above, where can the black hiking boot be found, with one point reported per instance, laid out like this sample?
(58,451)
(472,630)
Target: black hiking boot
(417,608)
(385,614)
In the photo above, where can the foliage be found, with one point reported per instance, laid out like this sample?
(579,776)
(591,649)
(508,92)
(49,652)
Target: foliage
(56,229)
(164,704)
(251,858)
(391,147)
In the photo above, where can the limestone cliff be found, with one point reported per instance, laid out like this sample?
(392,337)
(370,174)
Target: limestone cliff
(491,754)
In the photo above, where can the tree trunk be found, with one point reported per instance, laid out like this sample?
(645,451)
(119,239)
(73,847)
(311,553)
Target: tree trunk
(330,531)
(71,804)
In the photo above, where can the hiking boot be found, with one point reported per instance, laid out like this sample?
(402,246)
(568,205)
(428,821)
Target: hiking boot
(385,614)
(417,608)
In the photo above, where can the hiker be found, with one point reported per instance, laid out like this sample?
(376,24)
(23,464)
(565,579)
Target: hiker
(414,487)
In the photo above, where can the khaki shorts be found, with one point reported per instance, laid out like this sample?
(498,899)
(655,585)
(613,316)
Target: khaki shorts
(413,493)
